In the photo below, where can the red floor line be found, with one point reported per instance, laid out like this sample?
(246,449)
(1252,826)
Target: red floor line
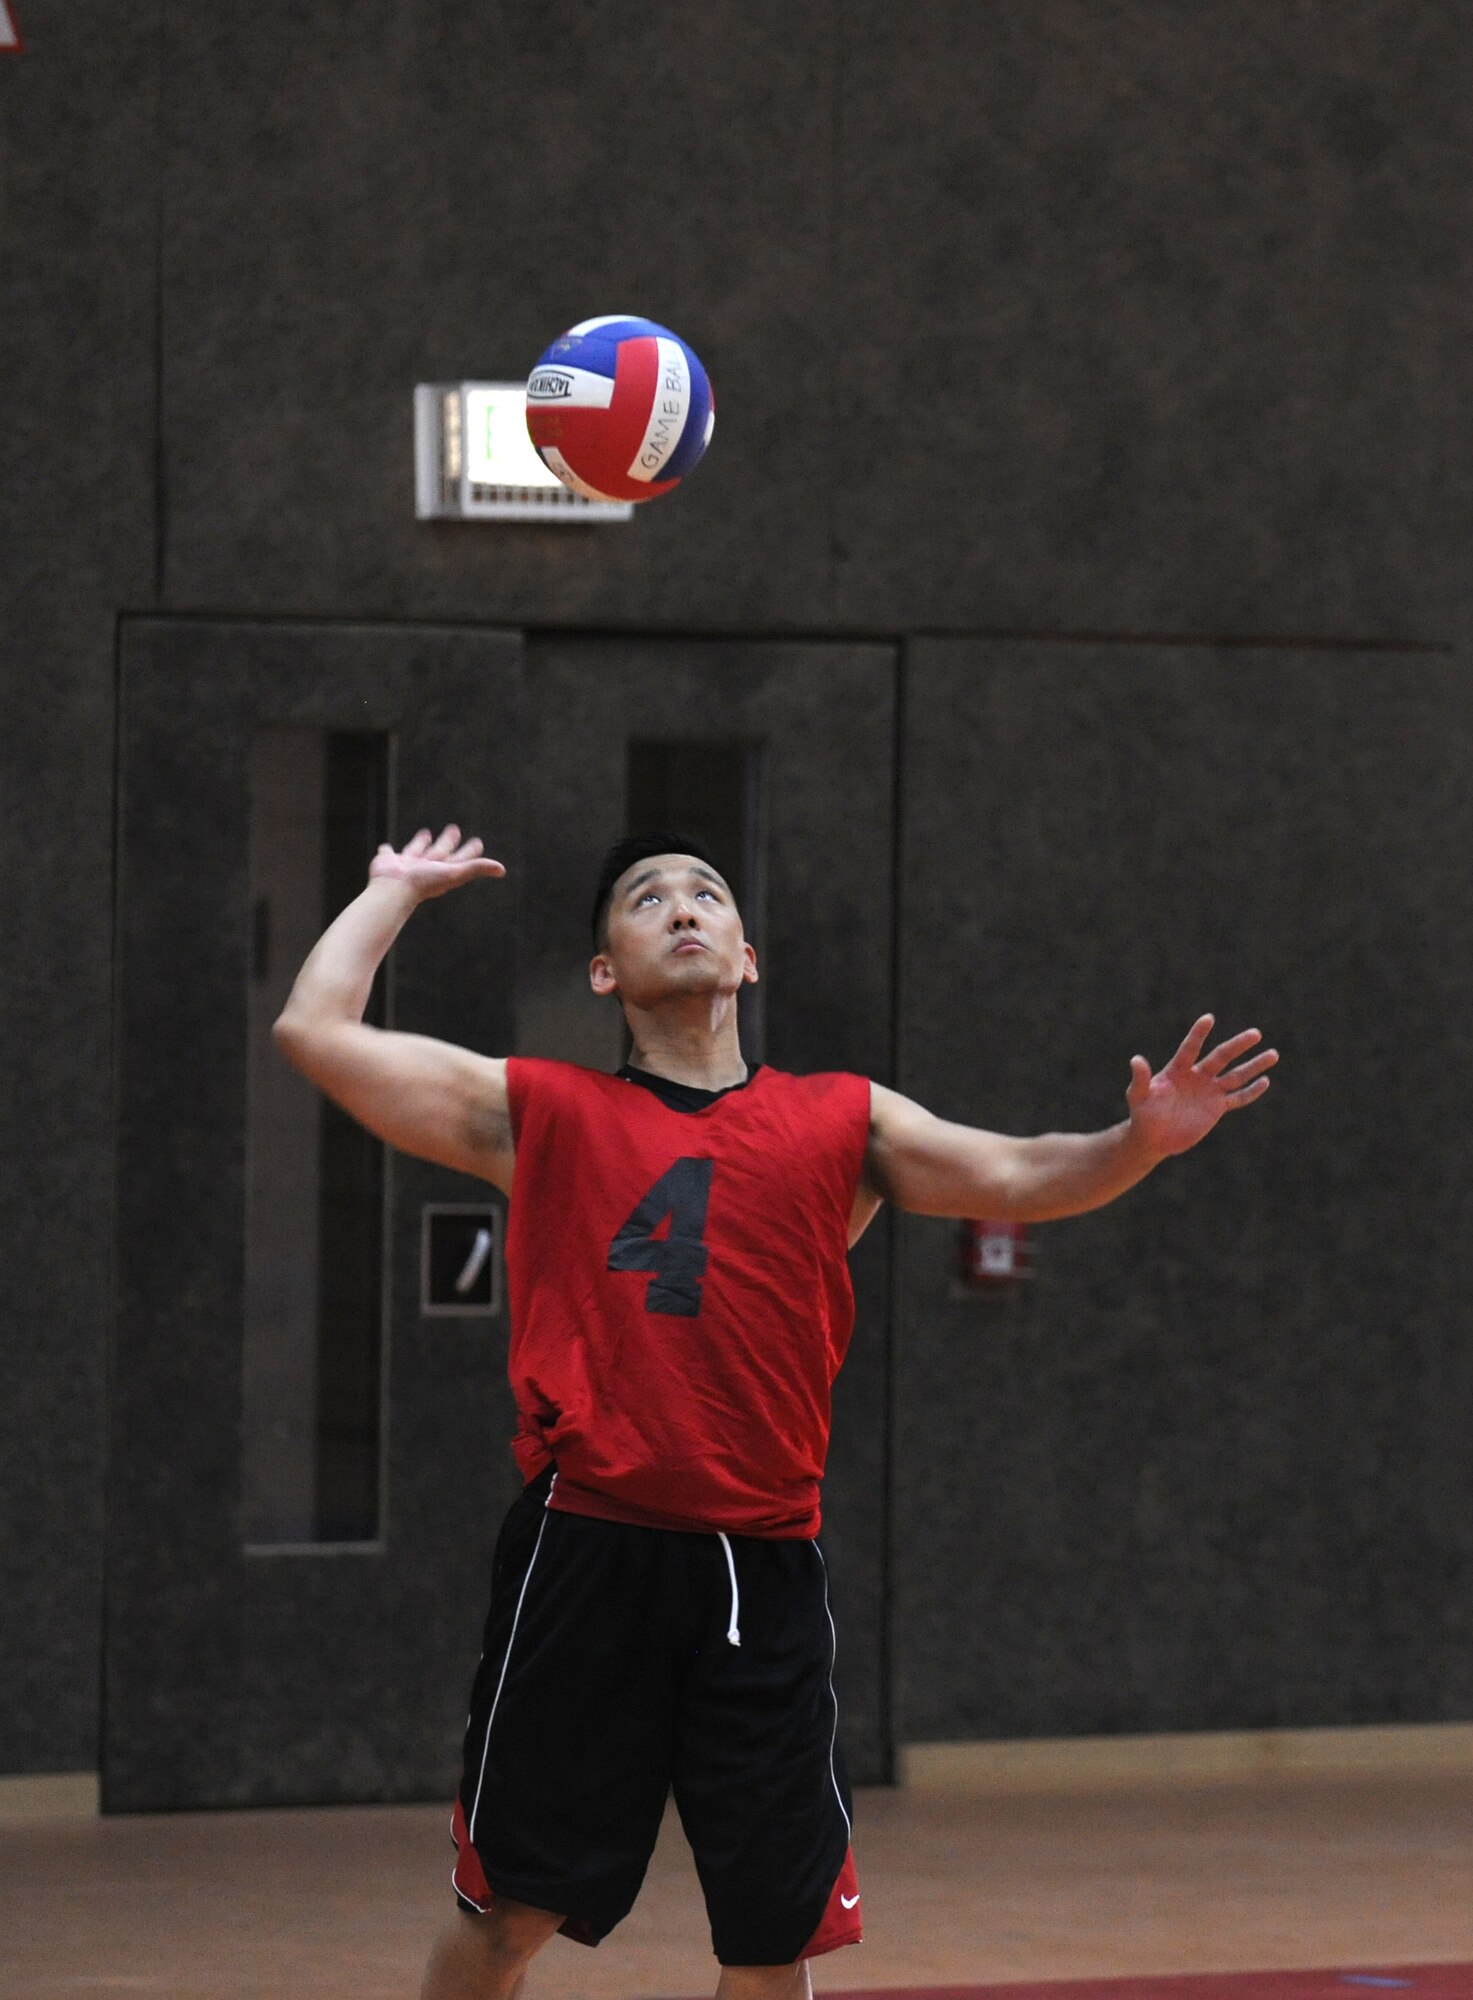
(1349,1982)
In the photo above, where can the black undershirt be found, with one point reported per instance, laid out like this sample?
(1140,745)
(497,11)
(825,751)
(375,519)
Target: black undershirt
(680,1096)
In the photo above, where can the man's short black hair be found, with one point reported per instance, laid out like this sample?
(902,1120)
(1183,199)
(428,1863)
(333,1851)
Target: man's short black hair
(640,847)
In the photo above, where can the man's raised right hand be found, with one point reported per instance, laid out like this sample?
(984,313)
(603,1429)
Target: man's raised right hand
(426,1097)
(431,866)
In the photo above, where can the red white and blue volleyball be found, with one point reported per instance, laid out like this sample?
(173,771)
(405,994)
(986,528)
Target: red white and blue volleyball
(620,409)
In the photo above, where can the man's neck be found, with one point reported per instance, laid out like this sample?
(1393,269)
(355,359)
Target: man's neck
(706,1055)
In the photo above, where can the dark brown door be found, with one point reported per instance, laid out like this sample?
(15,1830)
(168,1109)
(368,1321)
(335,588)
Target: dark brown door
(306,1468)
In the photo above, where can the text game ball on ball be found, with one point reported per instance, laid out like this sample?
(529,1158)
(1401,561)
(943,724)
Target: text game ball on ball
(620,409)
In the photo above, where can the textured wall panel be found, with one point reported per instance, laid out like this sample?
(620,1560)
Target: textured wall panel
(1059,316)
(76,540)
(1212,1472)
(1149,317)
(362,197)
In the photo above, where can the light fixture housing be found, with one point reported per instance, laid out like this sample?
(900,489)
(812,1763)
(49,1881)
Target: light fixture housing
(473,460)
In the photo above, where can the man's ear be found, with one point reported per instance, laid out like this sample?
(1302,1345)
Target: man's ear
(750,974)
(601,975)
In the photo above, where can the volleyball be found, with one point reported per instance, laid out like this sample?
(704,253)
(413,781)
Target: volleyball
(620,409)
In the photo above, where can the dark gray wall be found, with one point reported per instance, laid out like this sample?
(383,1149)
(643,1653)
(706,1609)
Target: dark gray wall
(1146,317)
(1126,319)
(76,542)
(359,199)
(1212,1471)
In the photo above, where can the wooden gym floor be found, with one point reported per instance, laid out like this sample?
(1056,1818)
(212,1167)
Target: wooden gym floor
(959,1890)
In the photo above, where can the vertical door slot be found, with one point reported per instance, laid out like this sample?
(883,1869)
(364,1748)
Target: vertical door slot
(312,1371)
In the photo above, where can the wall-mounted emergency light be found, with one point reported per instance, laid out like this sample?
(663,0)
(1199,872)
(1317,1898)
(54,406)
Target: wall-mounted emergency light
(473,460)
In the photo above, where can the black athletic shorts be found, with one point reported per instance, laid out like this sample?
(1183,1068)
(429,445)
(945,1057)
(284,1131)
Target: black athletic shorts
(620,1662)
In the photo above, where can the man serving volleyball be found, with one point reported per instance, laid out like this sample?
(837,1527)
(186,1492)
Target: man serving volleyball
(680,1301)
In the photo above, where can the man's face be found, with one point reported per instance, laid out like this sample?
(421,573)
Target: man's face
(673,928)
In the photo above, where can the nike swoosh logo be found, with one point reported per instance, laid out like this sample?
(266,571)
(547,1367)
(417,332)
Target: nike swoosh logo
(848,1901)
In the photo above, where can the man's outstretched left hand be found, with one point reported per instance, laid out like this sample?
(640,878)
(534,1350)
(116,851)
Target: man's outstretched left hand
(1181,1103)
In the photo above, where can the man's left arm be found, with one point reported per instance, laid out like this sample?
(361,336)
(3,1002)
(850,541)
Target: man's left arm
(931,1167)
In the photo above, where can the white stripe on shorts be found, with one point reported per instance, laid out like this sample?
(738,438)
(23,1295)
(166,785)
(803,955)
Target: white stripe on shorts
(501,1683)
(833,1655)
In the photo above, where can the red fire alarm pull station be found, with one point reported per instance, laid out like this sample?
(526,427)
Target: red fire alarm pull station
(995,1256)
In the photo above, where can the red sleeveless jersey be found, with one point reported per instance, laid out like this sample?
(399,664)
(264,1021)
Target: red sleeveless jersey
(680,1296)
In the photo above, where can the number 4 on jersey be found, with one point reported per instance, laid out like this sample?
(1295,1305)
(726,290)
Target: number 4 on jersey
(677,1260)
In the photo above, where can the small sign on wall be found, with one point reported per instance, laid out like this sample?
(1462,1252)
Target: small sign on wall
(460,1260)
(995,1258)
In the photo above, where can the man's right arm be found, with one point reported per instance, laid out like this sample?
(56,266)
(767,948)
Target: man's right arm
(426,1097)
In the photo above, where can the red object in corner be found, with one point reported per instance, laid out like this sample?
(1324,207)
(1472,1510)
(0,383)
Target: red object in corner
(12,41)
